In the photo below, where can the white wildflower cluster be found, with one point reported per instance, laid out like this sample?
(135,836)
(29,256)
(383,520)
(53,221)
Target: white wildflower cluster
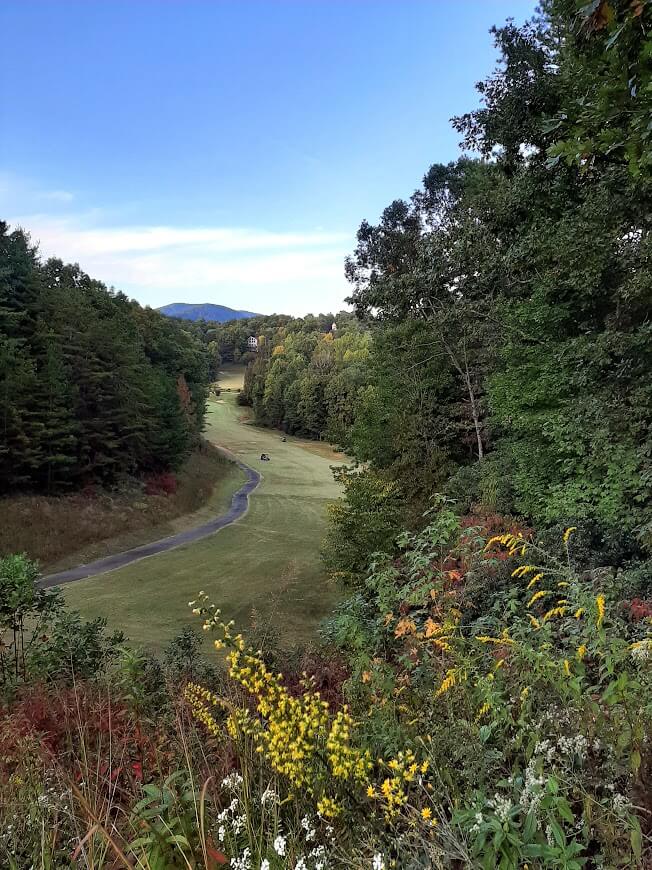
(378,863)
(641,651)
(576,745)
(565,747)
(230,821)
(308,826)
(53,802)
(502,806)
(546,748)
(620,803)
(479,821)
(315,859)
(533,786)
(232,781)
(233,821)
(556,716)
(269,796)
(318,855)
(280,845)
(243,862)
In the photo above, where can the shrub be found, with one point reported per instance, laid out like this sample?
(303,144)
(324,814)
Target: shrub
(164,483)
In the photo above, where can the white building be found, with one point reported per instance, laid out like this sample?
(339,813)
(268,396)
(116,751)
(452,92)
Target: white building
(252,342)
(334,327)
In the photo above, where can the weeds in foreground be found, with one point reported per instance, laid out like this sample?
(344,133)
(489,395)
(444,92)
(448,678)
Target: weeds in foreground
(515,731)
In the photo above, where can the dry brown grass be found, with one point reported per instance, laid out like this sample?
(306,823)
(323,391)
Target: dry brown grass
(60,531)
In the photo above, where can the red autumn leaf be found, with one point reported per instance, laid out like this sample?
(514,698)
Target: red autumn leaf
(218,857)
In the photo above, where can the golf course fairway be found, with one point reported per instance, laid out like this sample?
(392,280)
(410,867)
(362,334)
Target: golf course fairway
(264,567)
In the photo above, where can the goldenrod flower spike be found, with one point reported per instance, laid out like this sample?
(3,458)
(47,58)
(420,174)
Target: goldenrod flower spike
(499,641)
(448,682)
(556,611)
(484,709)
(522,570)
(599,603)
(569,531)
(537,595)
(534,580)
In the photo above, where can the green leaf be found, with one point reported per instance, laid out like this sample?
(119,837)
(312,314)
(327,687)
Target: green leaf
(636,840)
(635,760)
(565,811)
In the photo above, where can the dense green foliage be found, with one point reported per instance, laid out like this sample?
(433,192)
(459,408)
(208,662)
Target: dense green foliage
(607,105)
(307,378)
(39,638)
(92,386)
(512,354)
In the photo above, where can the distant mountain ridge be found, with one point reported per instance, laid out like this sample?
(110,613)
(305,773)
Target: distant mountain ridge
(204,311)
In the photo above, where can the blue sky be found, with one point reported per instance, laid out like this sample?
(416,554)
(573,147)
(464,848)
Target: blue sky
(226,150)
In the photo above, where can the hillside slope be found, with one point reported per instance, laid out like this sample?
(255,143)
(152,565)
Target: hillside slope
(204,311)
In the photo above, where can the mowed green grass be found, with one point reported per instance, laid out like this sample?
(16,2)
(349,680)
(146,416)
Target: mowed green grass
(266,566)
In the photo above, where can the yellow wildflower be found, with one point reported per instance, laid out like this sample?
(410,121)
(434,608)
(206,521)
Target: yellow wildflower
(578,612)
(567,669)
(555,611)
(426,815)
(481,712)
(581,651)
(599,603)
(534,621)
(327,808)
(448,682)
(537,595)
(569,531)
(485,638)
(534,580)
(522,570)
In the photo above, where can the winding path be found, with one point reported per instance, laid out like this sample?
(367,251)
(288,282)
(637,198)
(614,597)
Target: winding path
(239,505)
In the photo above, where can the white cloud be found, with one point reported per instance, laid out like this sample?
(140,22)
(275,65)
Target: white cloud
(246,268)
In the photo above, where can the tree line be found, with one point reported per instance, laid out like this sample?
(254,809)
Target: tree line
(92,385)
(510,295)
(307,376)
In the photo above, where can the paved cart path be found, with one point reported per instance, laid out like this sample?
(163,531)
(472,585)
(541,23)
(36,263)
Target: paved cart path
(239,505)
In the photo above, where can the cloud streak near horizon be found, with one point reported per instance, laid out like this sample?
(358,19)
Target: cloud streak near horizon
(246,267)
(243,267)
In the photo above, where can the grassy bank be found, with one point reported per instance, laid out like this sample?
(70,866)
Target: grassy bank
(264,569)
(61,532)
